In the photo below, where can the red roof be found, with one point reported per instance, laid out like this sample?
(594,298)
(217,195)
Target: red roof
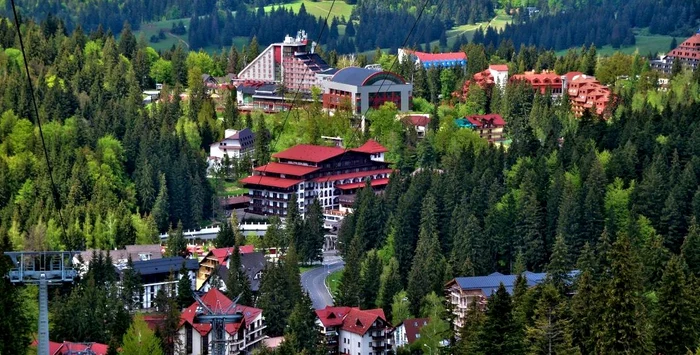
(287,169)
(570,75)
(477,120)
(689,49)
(430,57)
(359,322)
(270,181)
(217,301)
(351,319)
(352,175)
(67,346)
(222,254)
(412,327)
(356,185)
(498,67)
(417,120)
(309,153)
(541,78)
(370,147)
(332,316)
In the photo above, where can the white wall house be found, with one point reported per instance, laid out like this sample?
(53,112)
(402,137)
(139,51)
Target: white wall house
(241,338)
(235,144)
(349,330)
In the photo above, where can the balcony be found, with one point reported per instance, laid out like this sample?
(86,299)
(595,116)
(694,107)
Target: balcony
(378,334)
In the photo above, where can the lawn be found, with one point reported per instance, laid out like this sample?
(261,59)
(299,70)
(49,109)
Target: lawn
(340,8)
(645,44)
(152,29)
(231,188)
(333,281)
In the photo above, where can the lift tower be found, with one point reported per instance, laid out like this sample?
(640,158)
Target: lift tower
(218,316)
(42,268)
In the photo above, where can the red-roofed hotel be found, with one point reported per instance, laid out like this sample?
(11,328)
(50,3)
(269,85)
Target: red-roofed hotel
(349,330)
(687,53)
(433,60)
(312,171)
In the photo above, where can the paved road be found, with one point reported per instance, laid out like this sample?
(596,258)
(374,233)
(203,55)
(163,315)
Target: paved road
(313,283)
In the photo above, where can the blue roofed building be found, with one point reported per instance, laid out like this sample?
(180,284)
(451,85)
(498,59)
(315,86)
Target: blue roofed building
(361,89)
(462,292)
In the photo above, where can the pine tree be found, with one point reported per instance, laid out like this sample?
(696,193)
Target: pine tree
(530,224)
(500,333)
(131,290)
(691,248)
(348,290)
(294,223)
(390,285)
(585,306)
(176,245)
(263,138)
(140,339)
(161,207)
(301,327)
(237,282)
(428,263)
(312,247)
(231,116)
(558,268)
(675,321)
(291,269)
(551,331)
(469,333)
(184,289)
(226,237)
(655,257)
(623,326)
(369,282)
(274,299)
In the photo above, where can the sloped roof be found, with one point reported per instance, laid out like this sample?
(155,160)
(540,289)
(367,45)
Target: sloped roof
(477,120)
(490,283)
(417,120)
(332,316)
(412,327)
(357,185)
(688,49)
(309,153)
(270,181)
(432,57)
(352,175)
(498,67)
(68,347)
(287,169)
(216,300)
(359,322)
(164,265)
(370,147)
(222,254)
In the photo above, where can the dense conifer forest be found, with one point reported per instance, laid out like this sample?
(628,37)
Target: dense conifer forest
(609,208)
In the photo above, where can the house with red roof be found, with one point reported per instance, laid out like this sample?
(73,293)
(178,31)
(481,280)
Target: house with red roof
(688,53)
(241,338)
(408,331)
(543,82)
(489,127)
(350,330)
(315,172)
(70,348)
(495,74)
(419,121)
(587,93)
(215,258)
(433,60)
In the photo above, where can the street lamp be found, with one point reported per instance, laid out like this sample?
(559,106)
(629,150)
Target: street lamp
(430,350)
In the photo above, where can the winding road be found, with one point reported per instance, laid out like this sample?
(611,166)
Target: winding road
(313,282)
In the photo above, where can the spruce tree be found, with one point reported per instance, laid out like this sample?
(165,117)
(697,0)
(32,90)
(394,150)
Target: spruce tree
(559,267)
(500,334)
(530,224)
(294,224)
(263,138)
(301,327)
(428,263)
(470,330)
(551,331)
(655,257)
(691,248)
(226,237)
(176,245)
(140,339)
(623,320)
(369,282)
(348,290)
(231,116)
(291,269)
(274,299)
(161,207)
(312,247)
(131,290)
(390,284)
(184,289)
(675,321)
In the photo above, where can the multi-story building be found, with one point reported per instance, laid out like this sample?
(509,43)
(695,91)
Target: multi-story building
(349,330)
(586,93)
(241,338)
(157,274)
(315,172)
(235,144)
(290,63)
(542,82)
(688,53)
(252,265)
(433,60)
(462,292)
(419,121)
(361,89)
(215,258)
(494,75)
(489,127)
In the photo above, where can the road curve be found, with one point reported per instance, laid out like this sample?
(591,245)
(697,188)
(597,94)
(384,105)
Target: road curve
(313,282)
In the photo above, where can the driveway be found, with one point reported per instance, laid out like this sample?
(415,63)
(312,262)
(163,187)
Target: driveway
(313,281)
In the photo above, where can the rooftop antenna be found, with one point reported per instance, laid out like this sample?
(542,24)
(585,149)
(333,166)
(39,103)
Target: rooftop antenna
(42,268)
(218,317)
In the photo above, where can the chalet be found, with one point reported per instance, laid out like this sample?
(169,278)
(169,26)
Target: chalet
(235,144)
(586,93)
(408,331)
(463,291)
(349,330)
(489,127)
(315,172)
(241,337)
(216,258)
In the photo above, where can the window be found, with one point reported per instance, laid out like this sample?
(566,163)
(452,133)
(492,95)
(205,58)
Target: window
(358,344)
(205,345)
(188,335)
